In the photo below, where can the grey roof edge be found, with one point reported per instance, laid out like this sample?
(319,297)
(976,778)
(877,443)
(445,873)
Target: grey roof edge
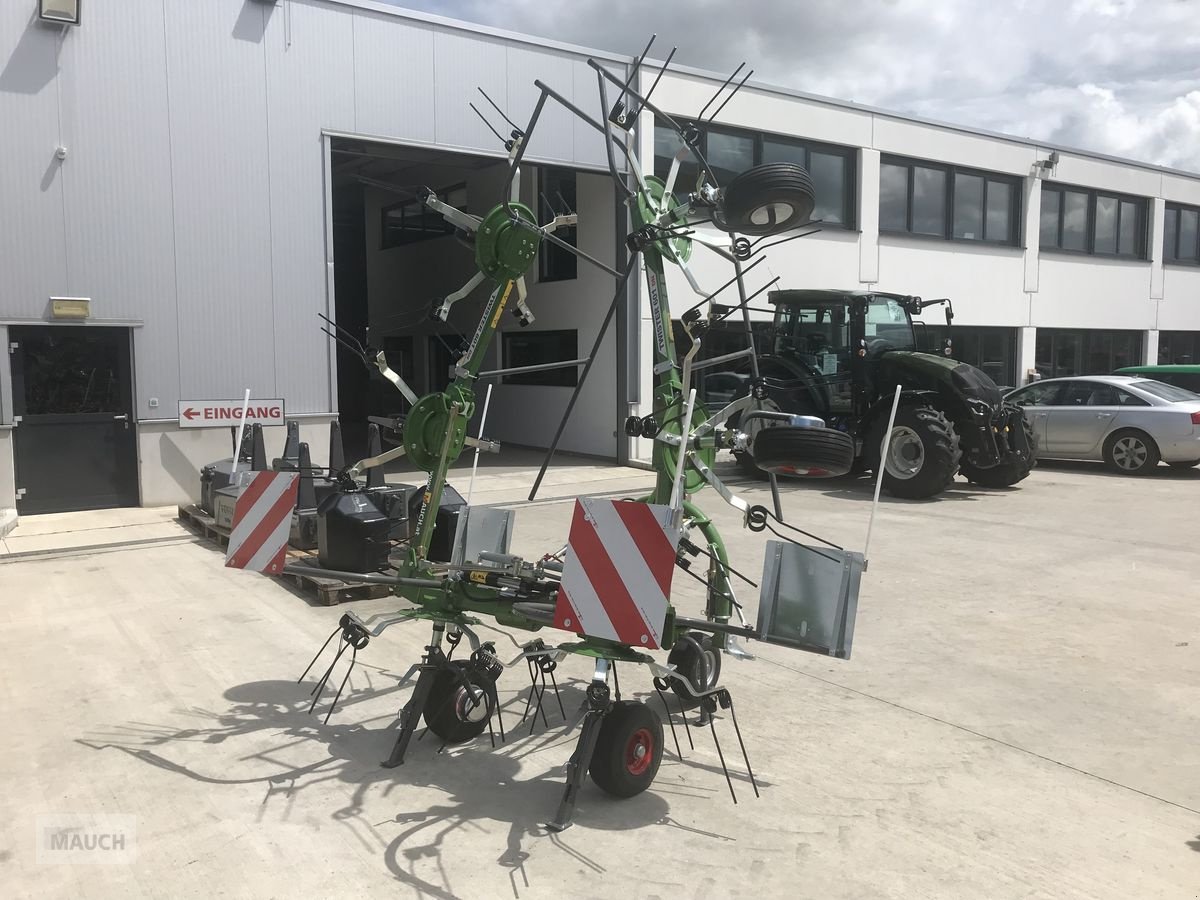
(764,86)
(415,15)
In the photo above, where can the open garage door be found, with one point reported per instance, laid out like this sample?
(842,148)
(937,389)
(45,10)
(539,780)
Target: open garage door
(395,261)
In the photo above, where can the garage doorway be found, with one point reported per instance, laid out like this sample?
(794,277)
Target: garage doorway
(75,444)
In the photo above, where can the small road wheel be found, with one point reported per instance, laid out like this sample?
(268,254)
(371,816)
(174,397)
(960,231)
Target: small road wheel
(1131,453)
(796,450)
(628,749)
(451,711)
(767,199)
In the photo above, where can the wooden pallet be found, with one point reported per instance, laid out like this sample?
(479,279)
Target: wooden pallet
(327,591)
(198,521)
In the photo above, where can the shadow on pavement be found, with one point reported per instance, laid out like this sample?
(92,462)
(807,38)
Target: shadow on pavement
(479,783)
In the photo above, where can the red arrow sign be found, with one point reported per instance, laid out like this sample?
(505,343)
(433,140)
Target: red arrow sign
(227,413)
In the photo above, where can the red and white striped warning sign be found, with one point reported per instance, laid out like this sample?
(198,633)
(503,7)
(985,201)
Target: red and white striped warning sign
(262,519)
(616,581)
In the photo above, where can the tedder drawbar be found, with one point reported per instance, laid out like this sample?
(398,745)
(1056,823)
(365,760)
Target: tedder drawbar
(611,584)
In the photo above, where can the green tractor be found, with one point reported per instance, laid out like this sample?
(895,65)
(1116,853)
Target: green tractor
(839,356)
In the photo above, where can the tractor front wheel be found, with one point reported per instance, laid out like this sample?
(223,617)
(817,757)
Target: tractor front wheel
(923,454)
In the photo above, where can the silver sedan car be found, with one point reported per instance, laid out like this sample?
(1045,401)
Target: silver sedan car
(1128,422)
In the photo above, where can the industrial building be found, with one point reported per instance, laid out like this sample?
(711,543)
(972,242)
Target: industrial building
(187,186)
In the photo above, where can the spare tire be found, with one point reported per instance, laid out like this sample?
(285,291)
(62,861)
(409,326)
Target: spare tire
(767,199)
(795,450)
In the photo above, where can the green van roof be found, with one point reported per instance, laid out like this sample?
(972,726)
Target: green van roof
(1162,370)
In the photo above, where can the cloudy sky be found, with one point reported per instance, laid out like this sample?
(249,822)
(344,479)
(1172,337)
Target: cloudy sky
(1116,76)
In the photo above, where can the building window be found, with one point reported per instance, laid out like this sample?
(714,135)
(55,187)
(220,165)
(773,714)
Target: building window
(992,350)
(556,263)
(1085,221)
(1060,352)
(535,348)
(1179,348)
(731,151)
(947,202)
(1181,234)
(409,221)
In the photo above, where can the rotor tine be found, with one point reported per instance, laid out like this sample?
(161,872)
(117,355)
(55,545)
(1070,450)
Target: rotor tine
(687,729)
(498,711)
(774,481)
(319,652)
(658,77)
(342,686)
(720,90)
(549,205)
(721,756)
(319,688)
(499,137)
(745,756)
(498,109)
(636,66)
(557,696)
(631,264)
(731,94)
(532,687)
(670,721)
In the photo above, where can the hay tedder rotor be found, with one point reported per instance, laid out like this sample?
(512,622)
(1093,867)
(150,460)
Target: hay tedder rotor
(609,587)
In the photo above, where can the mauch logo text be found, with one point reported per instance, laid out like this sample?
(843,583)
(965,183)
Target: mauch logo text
(82,838)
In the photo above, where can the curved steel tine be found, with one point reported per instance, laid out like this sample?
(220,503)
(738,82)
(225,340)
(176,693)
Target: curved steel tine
(618,295)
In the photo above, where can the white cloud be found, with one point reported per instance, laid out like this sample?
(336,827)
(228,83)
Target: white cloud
(1115,76)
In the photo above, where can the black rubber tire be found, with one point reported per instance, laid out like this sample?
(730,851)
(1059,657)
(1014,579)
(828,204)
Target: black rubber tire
(442,712)
(811,452)
(1184,464)
(751,198)
(1006,474)
(1152,455)
(615,767)
(942,453)
(698,660)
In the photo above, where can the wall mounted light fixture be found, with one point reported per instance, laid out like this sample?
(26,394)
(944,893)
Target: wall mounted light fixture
(62,12)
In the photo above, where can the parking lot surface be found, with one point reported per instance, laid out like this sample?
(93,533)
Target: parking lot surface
(1019,719)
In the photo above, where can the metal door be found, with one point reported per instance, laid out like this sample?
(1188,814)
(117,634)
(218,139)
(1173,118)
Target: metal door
(1085,414)
(75,444)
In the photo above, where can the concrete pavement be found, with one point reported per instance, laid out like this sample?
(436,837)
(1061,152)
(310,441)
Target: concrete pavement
(1018,720)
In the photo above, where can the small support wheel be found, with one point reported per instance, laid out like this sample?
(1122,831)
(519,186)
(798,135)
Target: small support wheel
(628,750)
(697,659)
(454,714)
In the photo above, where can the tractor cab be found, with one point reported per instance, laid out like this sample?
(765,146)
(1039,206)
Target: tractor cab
(837,339)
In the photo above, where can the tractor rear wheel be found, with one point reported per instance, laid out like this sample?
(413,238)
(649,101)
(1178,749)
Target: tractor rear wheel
(923,454)
(1006,474)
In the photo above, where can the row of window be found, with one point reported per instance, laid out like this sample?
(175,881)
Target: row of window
(731,151)
(1093,222)
(936,200)
(947,201)
(1181,234)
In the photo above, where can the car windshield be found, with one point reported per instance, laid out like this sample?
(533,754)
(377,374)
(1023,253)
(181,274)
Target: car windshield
(1164,391)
